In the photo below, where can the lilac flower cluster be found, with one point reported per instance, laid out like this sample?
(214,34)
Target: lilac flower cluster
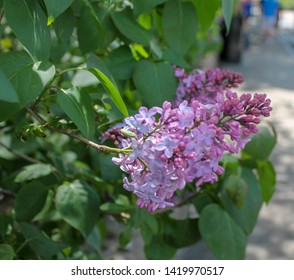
(162,149)
(204,86)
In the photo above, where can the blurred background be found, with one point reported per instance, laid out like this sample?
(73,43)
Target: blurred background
(268,67)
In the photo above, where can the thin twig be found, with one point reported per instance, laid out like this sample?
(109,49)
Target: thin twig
(49,84)
(186,199)
(100,148)
(7,192)
(180,203)
(1,16)
(19,154)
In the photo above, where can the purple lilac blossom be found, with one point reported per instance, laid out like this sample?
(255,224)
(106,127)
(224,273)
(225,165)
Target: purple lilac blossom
(185,141)
(204,86)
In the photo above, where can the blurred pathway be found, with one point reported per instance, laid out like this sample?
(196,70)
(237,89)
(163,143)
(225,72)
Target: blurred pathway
(269,68)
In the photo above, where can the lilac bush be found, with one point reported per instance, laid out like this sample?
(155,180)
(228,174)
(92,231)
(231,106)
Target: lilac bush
(171,156)
(184,141)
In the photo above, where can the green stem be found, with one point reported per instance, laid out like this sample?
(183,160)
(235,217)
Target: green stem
(151,132)
(196,124)
(49,84)
(220,122)
(144,163)
(88,5)
(1,15)
(70,69)
(43,92)
(23,244)
(100,148)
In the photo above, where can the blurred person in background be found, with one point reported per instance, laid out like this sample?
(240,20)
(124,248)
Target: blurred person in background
(246,12)
(269,11)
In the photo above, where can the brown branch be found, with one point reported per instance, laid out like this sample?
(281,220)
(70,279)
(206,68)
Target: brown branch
(100,148)
(19,154)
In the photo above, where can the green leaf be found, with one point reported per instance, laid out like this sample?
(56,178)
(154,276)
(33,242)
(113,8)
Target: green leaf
(151,222)
(236,189)
(106,168)
(39,242)
(201,201)
(13,62)
(145,20)
(29,23)
(7,91)
(6,252)
(56,8)
(97,67)
(125,237)
(91,36)
(228,8)
(147,223)
(28,81)
(175,58)
(141,216)
(230,161)
(206,12)
(93,13)
(8,109)
(88,33)
(5,221)
(267,179)
(247,215)
(122,200)
(181,233)
(78,106)
(78,204)
(29,201)
(121,63)
(107,24)
(94,239)
(33,171)
(262,144)
(155,81)
(156,49)
(158,249)
(223,236)
(47,207)
(179,23)
(139,51)
(130,28)
(142,6)
(96,62)
(31,80)
(113,208)
(63,26)
(146,233)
